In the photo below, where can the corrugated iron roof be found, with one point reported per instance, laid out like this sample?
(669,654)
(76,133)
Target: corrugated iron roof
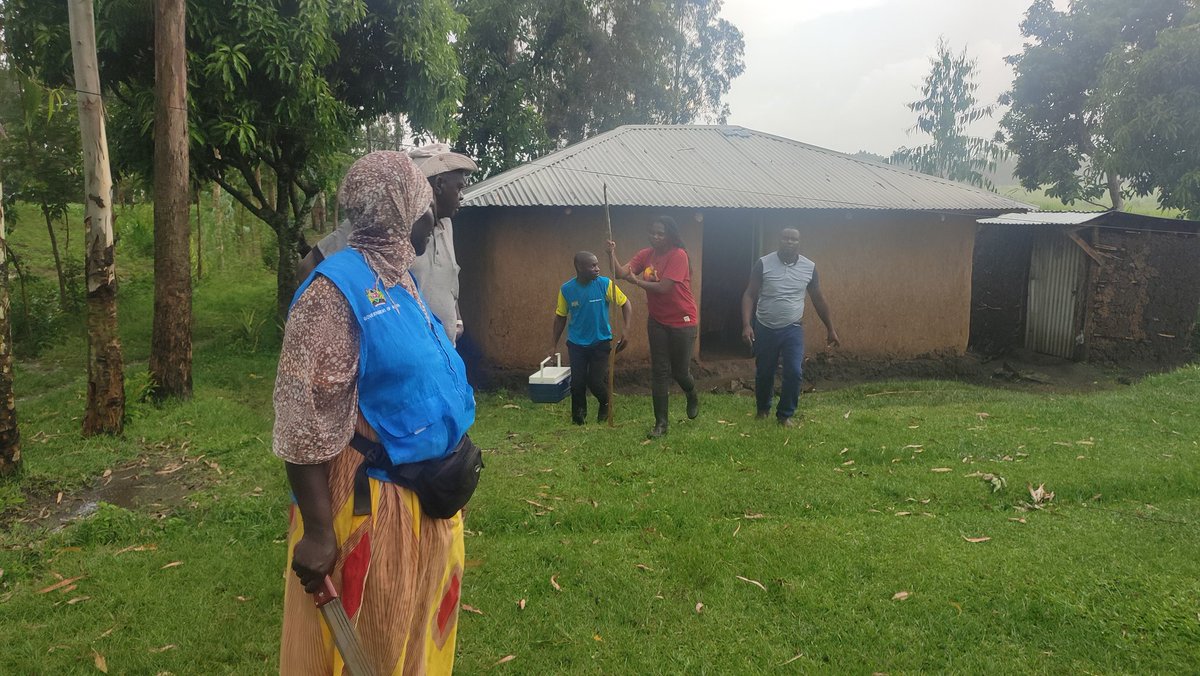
(701,166)
(1045,218)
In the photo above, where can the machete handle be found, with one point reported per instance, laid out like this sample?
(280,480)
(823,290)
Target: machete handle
(326,593)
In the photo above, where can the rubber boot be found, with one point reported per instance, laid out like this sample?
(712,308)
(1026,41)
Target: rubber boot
(693,404)
(661,416)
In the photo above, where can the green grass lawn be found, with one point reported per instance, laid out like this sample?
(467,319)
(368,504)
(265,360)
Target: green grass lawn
(731,546)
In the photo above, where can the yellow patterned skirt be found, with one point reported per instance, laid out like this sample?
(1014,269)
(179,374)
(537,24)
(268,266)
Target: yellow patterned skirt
(399,574)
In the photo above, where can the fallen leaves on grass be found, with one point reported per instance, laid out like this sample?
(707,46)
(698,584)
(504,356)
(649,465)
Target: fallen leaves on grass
(976,540)
(941,470)
(699,608)
(752,515)
(596,637)
(506,658)
(554,583)
(643,566)
(163,649)
(901,596)
(100,662)
(996,481)
(471,609)
(510,406)
(1040,496)
(756,583)
(172,565)
(60,584)
(138,548)
(521,604)
(846,416)
(78,599)
(1018,520)
(982,415)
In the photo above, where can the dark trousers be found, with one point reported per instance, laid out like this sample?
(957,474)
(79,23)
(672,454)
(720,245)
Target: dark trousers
(589,371)
(771,345)
(670,357)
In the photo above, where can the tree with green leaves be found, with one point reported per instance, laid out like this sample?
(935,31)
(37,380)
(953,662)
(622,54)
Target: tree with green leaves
(1149,104)
(40,155)
(1055,123)
(276,89)
(544,73)
(946,109)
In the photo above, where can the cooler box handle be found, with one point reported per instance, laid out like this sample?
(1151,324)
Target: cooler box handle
(542,366)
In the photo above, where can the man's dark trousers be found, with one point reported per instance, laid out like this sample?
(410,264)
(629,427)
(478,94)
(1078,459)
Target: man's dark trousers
(770,345)
(589,371)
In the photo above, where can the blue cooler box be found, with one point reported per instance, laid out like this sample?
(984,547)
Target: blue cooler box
(550,384)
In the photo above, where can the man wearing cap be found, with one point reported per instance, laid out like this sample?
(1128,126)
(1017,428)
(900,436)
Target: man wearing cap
(437,269)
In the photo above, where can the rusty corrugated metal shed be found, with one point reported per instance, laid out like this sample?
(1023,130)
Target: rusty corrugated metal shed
(721,167)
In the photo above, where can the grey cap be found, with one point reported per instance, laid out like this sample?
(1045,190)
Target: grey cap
(437,158)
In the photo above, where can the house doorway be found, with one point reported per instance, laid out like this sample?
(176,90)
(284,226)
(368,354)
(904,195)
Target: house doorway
(731,243)
(1054,314)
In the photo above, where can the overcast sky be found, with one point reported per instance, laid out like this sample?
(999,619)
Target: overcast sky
(838,73)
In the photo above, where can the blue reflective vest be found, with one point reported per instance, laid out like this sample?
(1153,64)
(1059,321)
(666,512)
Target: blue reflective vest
(412,385)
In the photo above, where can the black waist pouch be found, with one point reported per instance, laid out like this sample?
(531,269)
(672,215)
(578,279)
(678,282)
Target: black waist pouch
(443,485)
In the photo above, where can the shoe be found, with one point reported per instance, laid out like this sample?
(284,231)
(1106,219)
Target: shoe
(578,416)
(787,422)
(693,404)
(661,417)
(762,415)
(602,414)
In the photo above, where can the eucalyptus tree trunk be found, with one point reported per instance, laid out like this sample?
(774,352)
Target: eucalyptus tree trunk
(171,333)
(105,413)
(1114,192)
(10,434)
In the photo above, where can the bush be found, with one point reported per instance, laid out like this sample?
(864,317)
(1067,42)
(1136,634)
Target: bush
(42,323)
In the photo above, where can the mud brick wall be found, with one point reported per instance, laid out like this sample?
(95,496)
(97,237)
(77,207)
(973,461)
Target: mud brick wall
(999,283)
(1143,299)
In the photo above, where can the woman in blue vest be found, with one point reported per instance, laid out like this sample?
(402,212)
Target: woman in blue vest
(370,395)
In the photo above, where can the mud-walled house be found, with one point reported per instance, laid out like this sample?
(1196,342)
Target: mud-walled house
(1108,287)
(893,247)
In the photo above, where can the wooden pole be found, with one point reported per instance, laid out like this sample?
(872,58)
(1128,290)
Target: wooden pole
(105,412)
(612,309)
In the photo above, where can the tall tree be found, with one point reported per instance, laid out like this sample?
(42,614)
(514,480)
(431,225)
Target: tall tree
(279,85)
(1053,125)
(946,109)
(105,413)
(544,73)
(10,434)
(171,332)
(1149,103)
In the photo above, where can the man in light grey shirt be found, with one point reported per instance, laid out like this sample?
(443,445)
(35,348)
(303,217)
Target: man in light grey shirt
(772,310)
(437,269)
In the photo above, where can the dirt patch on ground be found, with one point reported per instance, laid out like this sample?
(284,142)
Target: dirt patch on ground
(1018,369)
(155,484)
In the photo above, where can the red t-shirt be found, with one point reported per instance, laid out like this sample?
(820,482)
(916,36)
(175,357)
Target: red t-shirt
(677,308)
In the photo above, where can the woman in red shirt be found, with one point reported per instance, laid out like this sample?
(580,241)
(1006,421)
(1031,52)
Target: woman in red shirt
(664,271)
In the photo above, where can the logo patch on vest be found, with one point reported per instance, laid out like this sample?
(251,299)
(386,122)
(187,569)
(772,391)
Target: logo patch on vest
(376,297)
